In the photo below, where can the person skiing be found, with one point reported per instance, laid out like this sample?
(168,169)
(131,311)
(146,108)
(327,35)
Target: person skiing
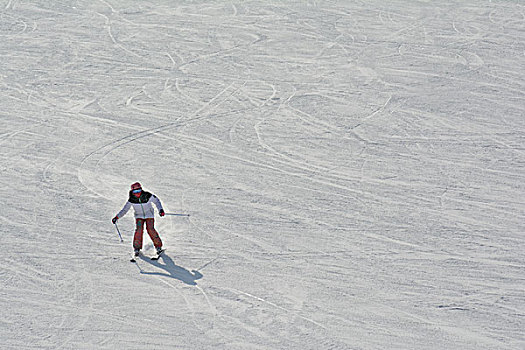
(142,201)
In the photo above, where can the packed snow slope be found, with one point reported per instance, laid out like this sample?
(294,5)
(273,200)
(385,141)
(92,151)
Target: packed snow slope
(354,171)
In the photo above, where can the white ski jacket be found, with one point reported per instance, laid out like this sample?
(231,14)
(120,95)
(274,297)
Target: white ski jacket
(142,205)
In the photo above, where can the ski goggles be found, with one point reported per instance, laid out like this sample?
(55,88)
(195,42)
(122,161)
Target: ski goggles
(137,190)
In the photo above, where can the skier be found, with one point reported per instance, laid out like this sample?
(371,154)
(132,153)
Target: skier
(141,201)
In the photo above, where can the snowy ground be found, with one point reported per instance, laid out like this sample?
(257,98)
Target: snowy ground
(354,171)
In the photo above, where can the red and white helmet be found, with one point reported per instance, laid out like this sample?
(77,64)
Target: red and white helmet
(136,186)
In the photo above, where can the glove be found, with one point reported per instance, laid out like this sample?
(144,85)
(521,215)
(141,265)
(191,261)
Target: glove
(161,212)
(114,220)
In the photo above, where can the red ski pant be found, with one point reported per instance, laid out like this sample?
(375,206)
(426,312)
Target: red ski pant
(139,230)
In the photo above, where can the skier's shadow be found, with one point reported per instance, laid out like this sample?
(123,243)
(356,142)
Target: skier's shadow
(173,270)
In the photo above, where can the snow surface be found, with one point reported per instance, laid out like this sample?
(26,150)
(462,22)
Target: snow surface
(354,171)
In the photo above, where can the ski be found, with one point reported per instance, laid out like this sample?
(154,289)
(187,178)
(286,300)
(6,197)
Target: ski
(153,257)
(134,257)
(157,256)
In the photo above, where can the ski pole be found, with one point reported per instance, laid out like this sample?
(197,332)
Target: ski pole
(118,232)
(176,214)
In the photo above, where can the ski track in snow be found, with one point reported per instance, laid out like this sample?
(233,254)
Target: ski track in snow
(354,173)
